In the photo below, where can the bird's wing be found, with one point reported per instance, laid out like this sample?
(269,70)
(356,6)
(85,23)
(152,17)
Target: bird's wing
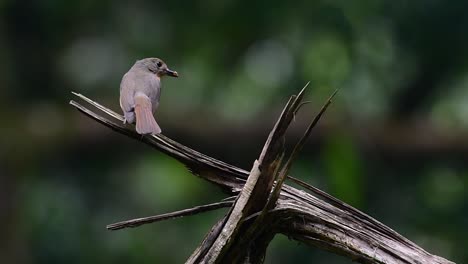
(127,91)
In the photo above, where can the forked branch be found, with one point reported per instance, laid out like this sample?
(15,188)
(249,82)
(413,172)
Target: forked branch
(265,206)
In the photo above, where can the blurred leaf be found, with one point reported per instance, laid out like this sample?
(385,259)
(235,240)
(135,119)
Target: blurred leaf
(162,182)
(443,189)
(344,170)
(326,60)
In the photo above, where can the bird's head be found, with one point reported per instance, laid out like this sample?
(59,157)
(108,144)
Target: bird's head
(157,66)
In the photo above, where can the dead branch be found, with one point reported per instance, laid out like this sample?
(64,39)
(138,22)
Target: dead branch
(314,218)
(157,218)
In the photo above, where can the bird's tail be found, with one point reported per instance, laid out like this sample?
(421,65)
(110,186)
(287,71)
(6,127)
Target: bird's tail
(145,122)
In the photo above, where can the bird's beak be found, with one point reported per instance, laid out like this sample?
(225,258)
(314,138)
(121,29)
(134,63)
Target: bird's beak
(171,73)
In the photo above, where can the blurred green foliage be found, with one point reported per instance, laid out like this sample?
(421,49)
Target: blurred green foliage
(344,170)
(401,67)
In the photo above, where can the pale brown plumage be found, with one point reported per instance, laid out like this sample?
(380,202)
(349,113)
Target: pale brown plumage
(140,91)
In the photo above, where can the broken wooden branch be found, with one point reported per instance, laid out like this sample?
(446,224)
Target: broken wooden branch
(156,218)
(314,218)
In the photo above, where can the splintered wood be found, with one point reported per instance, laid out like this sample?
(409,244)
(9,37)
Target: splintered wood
(261,205)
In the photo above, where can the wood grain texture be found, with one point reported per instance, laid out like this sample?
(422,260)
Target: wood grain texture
(308,215)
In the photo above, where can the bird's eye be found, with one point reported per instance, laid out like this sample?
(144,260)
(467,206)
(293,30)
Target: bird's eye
(159,64)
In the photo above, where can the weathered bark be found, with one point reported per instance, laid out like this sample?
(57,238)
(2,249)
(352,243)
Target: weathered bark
(314,217)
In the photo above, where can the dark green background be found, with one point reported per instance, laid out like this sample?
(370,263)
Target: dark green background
(394,144)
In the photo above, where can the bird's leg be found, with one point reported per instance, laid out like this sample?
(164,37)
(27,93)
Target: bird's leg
(129,117)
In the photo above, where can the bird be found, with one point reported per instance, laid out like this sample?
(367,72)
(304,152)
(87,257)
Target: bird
(140,91)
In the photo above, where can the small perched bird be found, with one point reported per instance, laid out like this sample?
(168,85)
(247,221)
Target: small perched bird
(140,90)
